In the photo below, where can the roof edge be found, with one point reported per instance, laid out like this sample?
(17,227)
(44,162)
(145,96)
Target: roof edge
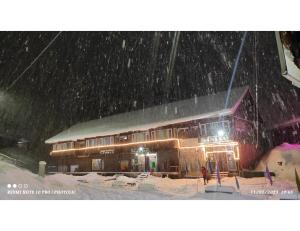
(238,103)
(223,112)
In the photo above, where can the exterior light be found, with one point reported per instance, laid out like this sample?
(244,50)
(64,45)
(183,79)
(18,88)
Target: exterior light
(221,133)
(141,149)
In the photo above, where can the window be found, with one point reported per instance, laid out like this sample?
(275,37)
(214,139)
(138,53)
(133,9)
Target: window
(163,134)
(140,136)
(69,145)
(211,129)
(108,140)
(203,130)
(147,136)
(175,133)
(91,142)
(160,134)
(152,135)
(112,140)
(63,146)
(182,132)
(81,144)
(123,138)
(194,132)
(170,133)
(97,165)
(188,132)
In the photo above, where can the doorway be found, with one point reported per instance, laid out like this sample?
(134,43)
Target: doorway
(147,163)
(152,162)
(221,158)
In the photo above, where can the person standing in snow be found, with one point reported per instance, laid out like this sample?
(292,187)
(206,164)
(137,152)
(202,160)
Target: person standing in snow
(204,174)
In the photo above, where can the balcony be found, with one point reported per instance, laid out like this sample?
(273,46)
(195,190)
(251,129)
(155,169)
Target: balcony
(213,139)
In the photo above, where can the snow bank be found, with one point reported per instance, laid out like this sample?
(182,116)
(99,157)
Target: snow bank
(282,160)
(126,179)
(94,186)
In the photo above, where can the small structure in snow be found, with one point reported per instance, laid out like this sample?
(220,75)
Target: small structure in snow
(23,143)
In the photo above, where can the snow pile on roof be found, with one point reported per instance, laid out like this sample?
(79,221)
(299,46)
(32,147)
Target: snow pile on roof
(162,115)
(282,160)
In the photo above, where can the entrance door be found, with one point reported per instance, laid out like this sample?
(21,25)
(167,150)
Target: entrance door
(221,158)
(147,163)
(124,165)
(152,162)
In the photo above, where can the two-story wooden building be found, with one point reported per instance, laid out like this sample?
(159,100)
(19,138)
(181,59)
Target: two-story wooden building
(177,138)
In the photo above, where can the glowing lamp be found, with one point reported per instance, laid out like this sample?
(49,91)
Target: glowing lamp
(221,133)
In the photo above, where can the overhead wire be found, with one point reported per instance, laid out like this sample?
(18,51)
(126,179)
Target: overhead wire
(34,61)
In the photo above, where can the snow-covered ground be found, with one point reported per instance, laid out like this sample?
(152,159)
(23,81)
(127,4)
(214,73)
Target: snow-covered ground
(93,186)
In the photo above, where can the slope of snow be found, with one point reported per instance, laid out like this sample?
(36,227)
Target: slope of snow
(93,186)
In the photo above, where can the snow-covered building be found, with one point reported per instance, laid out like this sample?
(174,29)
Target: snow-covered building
(174,138)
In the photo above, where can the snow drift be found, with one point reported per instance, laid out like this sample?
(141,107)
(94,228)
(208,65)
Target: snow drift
(94,187)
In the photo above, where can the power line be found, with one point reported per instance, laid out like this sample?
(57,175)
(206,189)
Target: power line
(172,62)
(33,62)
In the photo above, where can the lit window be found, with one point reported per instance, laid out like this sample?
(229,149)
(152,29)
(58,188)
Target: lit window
(153,135)
(170,134)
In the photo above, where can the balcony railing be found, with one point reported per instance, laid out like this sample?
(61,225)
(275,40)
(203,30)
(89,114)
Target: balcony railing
(213,139)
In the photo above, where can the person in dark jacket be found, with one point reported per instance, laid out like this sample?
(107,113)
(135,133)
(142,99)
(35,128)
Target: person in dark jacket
(204,174)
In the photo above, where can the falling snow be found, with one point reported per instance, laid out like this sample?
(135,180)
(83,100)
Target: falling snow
(88,75)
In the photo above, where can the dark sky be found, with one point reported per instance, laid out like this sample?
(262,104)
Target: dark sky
(88,75)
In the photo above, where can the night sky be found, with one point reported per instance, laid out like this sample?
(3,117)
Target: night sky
(88,75)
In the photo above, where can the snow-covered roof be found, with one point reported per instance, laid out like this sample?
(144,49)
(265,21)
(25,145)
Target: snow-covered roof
(208,106)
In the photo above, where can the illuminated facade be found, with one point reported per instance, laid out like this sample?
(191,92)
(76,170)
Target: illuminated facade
(177,138)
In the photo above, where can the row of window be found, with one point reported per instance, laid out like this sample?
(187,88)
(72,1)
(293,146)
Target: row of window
(135,137)
(207,129)
(212,129)
(109,140)
(63,146)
